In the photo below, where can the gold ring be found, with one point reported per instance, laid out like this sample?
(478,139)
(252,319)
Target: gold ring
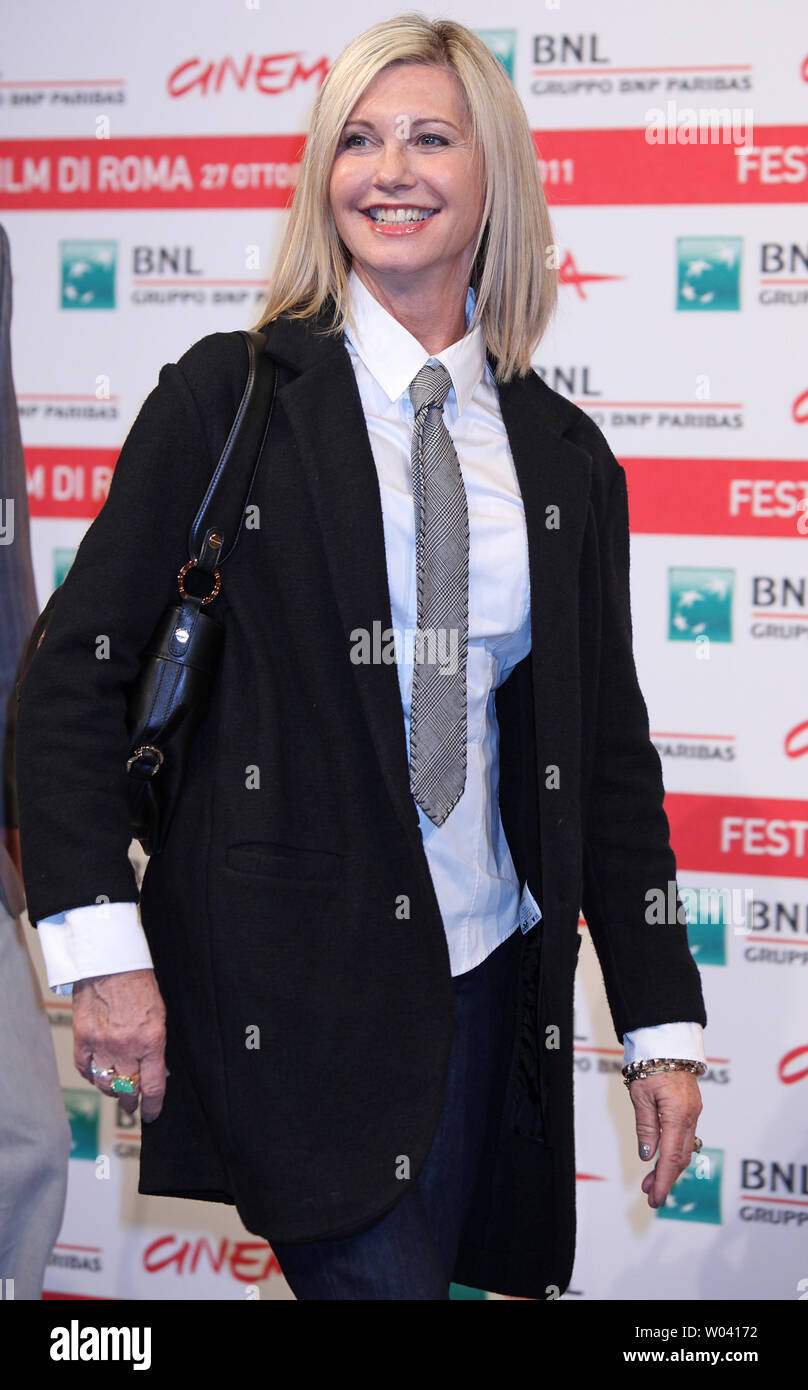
(125,1085)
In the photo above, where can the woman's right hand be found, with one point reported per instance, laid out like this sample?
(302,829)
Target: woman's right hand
(120,1021)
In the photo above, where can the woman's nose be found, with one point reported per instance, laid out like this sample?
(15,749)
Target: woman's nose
(392,162)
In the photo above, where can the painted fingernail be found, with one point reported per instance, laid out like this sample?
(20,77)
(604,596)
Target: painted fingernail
(645,1150)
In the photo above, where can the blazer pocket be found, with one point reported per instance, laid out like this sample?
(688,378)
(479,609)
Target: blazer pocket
(267,859)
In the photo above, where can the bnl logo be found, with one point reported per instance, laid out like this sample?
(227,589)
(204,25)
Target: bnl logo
(502,43)
(88,274)
(63,557)
(696,1195)
(82,1112)
(707,926)
(700,604)
(708,272)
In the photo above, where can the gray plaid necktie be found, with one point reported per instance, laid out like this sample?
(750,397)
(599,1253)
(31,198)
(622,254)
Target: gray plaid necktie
(438,714)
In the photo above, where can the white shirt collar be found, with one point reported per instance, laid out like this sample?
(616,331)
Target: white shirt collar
(394,357)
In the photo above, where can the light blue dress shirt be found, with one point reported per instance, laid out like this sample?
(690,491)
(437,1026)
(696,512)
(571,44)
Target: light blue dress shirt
(468,855)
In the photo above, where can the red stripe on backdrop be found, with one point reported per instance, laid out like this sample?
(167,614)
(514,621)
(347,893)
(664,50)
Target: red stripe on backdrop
(68,483)
(580,167)
(619,167)
(718,497)
(178,171)
(756,836)
(667,496)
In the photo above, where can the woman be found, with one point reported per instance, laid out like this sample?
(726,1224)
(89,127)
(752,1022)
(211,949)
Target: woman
(363,926)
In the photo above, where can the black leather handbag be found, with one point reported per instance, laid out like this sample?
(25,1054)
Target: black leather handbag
(168,699)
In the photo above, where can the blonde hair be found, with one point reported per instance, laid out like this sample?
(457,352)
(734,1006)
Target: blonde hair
(515,288)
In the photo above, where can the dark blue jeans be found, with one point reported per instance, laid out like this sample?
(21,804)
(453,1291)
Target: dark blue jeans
(410,1253)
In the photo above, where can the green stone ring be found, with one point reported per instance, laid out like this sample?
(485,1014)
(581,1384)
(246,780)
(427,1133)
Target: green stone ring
(124,1085)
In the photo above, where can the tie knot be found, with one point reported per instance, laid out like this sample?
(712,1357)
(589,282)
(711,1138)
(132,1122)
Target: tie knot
(430,387)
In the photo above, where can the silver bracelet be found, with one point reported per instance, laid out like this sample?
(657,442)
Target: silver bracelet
(650,1065)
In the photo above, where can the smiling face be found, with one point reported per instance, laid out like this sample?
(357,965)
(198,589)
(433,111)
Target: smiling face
(406,190)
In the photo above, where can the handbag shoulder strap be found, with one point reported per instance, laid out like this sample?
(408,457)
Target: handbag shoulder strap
(217,525)
(240,457)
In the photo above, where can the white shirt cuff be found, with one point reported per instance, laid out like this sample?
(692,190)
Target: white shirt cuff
(684,1040)
(101,939)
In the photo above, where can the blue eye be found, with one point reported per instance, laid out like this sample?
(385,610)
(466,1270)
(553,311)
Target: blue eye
(429,135)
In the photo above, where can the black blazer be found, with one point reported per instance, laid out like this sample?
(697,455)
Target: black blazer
(273,904)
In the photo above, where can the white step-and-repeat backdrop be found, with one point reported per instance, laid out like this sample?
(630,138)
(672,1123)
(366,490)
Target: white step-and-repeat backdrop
(148,156)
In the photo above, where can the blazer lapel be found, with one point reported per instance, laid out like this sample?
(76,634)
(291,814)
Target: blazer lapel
(324,409)
(554,478)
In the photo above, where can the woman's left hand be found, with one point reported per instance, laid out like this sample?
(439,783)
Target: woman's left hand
(667,1103)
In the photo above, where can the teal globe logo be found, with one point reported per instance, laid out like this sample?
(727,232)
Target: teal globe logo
(708,273)
(707,928)
(700,604)
(88,274)
(82,1114)
(696,1195)
(502,43)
